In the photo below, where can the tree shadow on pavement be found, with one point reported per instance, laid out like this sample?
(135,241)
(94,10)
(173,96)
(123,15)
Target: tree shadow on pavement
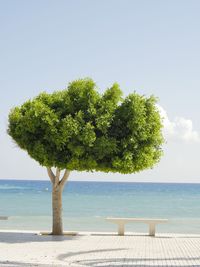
(12,237)
(72,254)
(26,264)
(99,260)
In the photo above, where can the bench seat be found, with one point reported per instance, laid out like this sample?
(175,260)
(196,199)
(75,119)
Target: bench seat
(151,222)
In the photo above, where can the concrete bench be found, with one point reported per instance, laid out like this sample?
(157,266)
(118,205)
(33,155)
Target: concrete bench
(3,218)
(122,221)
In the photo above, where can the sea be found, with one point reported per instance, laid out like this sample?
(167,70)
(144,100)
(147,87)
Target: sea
(86,205)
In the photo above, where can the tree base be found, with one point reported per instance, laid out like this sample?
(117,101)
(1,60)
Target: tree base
(63,234)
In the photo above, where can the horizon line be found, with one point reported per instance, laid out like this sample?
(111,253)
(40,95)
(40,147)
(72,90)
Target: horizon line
(99,181)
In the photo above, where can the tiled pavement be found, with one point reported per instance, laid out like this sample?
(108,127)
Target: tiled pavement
(99,250)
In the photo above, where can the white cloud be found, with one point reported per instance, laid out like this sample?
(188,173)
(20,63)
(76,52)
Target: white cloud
(179,128)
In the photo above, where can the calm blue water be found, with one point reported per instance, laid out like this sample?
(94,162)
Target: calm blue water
(87,204)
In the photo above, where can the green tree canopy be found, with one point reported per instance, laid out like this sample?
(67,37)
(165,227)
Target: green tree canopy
(80,129)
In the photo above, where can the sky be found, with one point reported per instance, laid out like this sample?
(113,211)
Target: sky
(148,46)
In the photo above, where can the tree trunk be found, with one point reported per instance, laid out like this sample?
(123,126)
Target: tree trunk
(57,210)
(57,189)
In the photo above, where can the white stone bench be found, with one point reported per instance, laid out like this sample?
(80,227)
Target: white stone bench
(122,221)
(3,218)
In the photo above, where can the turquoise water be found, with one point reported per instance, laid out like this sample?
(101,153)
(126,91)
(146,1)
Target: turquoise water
(87,204)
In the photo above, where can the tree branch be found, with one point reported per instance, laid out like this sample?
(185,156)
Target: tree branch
(51,175)
(64,178)
(57,176)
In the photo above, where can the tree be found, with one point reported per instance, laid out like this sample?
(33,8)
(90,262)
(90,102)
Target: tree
(80,129)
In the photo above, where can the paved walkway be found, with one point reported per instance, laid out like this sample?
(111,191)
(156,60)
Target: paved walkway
(98,250)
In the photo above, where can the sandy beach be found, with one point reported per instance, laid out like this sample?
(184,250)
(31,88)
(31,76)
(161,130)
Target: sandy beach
(98,249)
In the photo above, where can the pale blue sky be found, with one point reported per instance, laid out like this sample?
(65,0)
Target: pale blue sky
(149,46)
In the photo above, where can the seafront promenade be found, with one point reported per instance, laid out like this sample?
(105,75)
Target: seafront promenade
(98,250)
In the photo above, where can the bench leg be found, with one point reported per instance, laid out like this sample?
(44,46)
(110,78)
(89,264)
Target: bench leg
(152,229)
(121,229)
